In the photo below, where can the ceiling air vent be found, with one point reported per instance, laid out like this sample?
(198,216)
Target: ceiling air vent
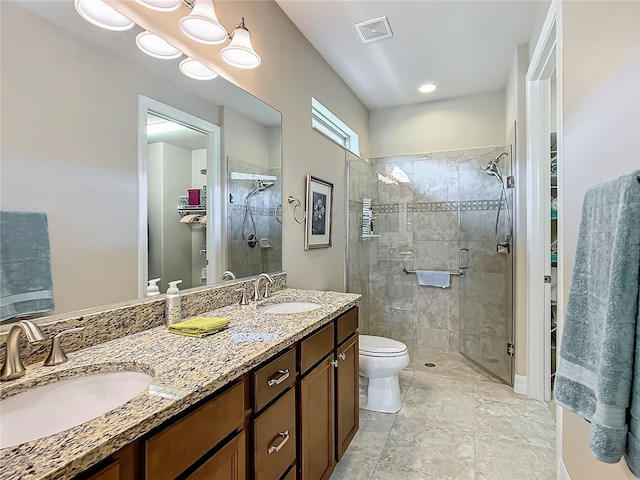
(372,30)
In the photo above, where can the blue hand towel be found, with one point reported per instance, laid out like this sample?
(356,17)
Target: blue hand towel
(434,278)
(595,376)
(26,286)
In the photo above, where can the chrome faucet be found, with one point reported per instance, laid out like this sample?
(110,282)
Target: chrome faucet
(256,287)
(228,275)
(13,367)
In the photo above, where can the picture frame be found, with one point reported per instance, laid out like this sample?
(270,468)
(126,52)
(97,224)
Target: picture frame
(319,208)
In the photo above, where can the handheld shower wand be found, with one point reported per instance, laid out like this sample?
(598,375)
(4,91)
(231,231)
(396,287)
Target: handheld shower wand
(493,168)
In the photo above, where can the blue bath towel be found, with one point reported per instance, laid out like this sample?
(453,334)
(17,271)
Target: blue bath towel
(596,376)
(434,278)
(26,286)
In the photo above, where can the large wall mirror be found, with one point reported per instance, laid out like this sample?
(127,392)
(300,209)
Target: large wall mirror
(113,173)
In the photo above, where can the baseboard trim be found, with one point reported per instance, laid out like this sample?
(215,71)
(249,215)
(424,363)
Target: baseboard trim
(520,384)
(562,471)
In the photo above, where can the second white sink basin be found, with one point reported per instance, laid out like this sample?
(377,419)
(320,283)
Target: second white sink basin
(49,409)
(290,307)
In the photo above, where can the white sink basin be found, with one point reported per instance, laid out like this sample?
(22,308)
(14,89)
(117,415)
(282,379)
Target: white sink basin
(290,307)
(58,406)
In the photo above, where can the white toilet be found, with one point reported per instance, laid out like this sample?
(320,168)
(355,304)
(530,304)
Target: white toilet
(380,361)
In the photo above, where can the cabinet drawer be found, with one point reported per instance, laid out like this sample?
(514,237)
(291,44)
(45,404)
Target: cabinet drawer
(227,464)
(274,442)
(316,347)
(346,325)
(171,451)
(273,379)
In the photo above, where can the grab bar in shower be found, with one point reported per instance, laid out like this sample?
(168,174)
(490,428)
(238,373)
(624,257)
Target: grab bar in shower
(455,274)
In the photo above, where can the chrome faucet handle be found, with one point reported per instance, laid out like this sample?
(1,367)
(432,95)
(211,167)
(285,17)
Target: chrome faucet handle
(57,355)
(243,297)
(13,367)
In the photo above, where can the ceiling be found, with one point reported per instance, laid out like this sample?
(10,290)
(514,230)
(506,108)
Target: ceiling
(465,47)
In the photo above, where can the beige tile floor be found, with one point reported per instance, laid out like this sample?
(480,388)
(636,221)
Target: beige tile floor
(456,423)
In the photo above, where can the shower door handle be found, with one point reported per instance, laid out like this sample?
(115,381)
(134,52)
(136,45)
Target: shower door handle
(467,263)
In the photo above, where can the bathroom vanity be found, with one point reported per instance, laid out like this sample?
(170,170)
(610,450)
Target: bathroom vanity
(275,396)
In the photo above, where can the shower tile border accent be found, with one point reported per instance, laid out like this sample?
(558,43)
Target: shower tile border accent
(466,205)
(265,212)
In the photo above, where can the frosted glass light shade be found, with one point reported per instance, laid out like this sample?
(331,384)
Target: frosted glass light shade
(102,15)
(153,45)
(198,71)
(161,5)
(240,53)
(202,24)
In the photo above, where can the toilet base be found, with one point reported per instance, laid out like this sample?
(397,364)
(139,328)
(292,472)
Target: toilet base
(382,395)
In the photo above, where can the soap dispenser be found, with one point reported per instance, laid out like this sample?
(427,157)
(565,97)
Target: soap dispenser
(152,288)
(173,307)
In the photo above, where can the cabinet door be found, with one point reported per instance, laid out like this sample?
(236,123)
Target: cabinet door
(317,422)
(347,395)
(227,464)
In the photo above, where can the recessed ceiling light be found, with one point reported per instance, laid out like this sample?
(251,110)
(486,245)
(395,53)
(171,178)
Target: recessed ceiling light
(427,87)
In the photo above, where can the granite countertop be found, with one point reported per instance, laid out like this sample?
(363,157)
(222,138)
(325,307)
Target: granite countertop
(184,369)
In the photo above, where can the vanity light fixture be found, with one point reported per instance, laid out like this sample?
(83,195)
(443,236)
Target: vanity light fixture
(427,88)
(240,53)
(102,15)
(202,24)
(155,46)
(161,5)
(197,70)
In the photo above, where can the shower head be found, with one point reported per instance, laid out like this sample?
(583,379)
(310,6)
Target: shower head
(493,168)
(261,186)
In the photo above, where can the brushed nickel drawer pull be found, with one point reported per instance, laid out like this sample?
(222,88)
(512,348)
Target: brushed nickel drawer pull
(334,363)
(276,448)
(284,374)
(342,356)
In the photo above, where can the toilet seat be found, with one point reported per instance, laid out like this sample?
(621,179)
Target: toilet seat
(372,346)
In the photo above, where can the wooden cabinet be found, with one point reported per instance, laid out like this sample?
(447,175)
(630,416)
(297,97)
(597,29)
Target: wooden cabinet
(290,418)
(171,451)
(317,421)
(329,396)
(227,464)
(347,394)
(111,472)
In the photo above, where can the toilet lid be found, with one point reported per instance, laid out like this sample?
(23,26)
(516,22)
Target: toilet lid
(381,347)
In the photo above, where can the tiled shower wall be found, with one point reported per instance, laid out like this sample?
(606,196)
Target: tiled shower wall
(423,203)
(243,260)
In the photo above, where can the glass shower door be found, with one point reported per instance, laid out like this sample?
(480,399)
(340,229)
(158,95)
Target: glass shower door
(486,287)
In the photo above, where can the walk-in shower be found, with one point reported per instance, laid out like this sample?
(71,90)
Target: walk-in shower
(251,238)
(446,214)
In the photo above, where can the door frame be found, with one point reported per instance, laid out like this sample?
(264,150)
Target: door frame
(216,237)
(544,62)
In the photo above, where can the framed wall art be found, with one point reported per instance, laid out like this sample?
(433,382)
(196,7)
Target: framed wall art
(319,213)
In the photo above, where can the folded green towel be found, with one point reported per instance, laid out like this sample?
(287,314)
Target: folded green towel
(199,326)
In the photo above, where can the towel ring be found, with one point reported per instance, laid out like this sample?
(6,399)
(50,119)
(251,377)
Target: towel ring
(297,205)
